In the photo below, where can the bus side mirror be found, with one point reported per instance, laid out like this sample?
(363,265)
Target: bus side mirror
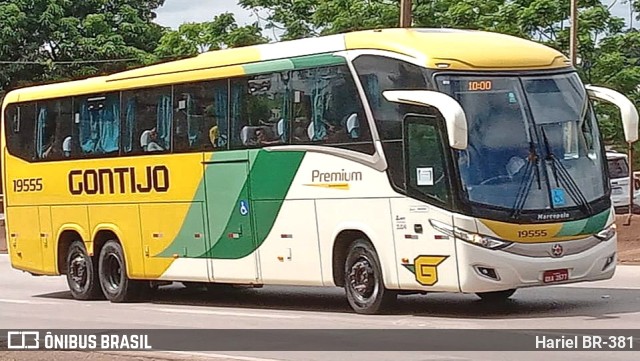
(628,111)
(451,110)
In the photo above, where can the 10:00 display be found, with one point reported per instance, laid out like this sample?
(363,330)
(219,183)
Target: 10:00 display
(477,85)
(27,185)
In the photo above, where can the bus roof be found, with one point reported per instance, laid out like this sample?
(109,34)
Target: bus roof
(435,48)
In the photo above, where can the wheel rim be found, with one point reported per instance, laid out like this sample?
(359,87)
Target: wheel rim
(362,279)
(112,272)
(78,271)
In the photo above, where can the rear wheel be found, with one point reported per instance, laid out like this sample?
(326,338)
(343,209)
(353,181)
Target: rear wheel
(363,280)
(496,296)
(117,287)
(82,273)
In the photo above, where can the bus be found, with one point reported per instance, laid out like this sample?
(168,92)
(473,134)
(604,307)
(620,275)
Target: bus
(386,162)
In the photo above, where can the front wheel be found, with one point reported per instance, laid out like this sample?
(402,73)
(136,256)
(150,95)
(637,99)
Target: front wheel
(82,273)
(117,287)
(363,280)
(496,296)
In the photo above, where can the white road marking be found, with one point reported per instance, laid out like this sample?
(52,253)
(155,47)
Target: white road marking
(28,302)
(226,313)
(215,355)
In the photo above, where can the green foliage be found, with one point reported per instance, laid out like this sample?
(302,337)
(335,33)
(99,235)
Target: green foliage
(193,38)
(294,16)
(37,34)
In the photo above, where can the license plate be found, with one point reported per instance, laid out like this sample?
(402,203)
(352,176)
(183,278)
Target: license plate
(557,275)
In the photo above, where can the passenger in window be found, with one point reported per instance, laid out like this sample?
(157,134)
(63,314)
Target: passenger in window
(515,167)
(148,141)
(48,152)
(214,136)
(326,132)
(302,115)
(300,131)
(49,147)
(337,135)
(263,139)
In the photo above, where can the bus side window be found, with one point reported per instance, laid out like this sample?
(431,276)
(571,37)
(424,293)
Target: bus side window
(97,124)
(201,116)
(20,122)
(328,110)
(53,136)
(148,118)
(380,73)
(267,102)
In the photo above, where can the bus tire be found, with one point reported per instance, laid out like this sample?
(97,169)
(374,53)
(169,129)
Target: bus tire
(117,287)
(82,273)
(363,280)
(496,296)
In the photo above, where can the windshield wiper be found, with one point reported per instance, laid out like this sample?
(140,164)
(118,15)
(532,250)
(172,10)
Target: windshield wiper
(527,180)
(563,178)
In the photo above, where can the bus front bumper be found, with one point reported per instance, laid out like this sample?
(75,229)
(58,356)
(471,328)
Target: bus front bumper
(484,270)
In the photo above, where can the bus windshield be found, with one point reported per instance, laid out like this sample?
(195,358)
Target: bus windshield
(533,142)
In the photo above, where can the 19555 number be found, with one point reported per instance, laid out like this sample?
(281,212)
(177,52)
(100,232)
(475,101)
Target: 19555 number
(27,185)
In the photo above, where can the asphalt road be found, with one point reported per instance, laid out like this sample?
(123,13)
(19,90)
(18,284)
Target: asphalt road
(28,302)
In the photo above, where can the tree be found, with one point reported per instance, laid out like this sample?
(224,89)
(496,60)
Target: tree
(193,38)
(295,17)
(43,40)
(617,65)
(544,20)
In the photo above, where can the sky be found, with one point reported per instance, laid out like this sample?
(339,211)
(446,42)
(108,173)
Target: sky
(176,12)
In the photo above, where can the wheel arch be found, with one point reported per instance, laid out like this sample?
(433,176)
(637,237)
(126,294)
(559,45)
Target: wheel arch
(105,232)
(66,236)
(342,241)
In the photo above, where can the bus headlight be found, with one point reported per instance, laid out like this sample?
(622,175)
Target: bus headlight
(481,240)
(607,233)
(473,238)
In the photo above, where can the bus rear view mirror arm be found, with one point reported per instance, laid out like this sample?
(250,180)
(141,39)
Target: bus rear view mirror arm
(454,116)
(628,111)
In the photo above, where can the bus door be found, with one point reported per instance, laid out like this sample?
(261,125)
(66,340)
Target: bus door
(231,254)
(425,255)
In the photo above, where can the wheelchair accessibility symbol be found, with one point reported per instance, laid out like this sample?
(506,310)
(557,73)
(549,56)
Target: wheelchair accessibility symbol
(244,208)
(557,195)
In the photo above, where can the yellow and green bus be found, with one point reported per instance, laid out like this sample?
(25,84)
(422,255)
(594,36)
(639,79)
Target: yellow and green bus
(386,162)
